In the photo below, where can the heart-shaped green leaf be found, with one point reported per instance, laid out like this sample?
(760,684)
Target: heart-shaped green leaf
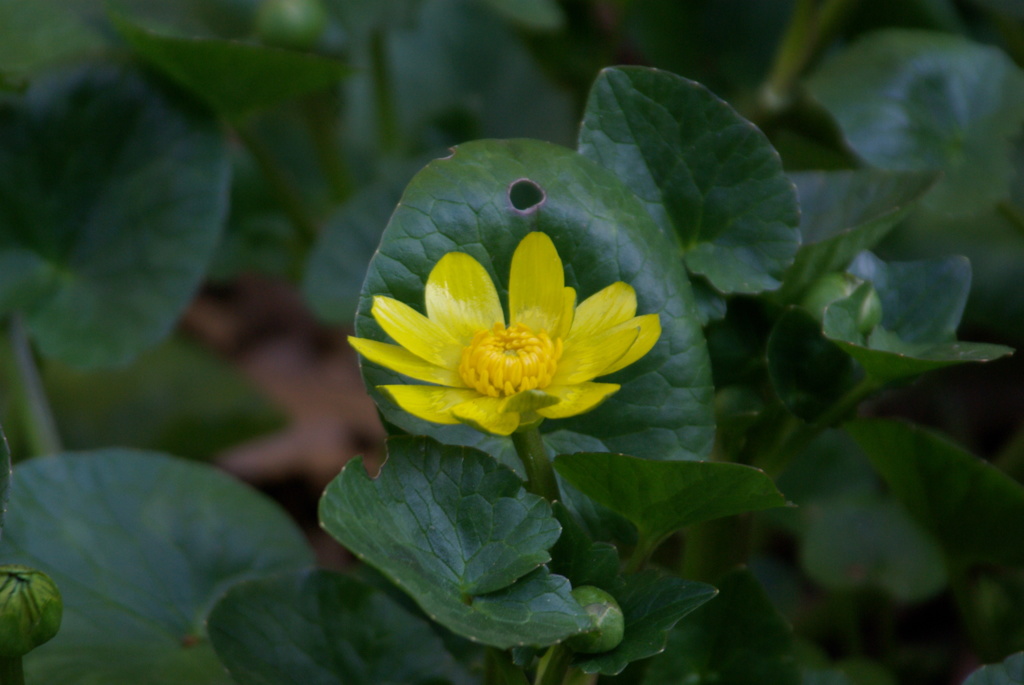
(739,639)
(912,100)
(233,78)
(651,604)
(870,541)
(603,235)
(1009,672)
(457,531)
(662,497)
(843,213)
(921,307)
(105,231)
(975,511)
(808,371)
(704,173)
(315,627)
(141,546)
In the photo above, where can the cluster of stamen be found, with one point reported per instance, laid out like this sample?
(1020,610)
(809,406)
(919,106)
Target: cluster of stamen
(504,361)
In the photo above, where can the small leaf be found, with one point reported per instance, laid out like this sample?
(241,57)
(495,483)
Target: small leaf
(233,78)
(921,307)
(704,173)
(870,542)
(321,628)
(652,605)
(458,532)
(662,497)
(577,558)
(843,213)
(141,546)
(739,639)
(1009,672)
(973,510)
(105,231)
(913,100)
(808,371)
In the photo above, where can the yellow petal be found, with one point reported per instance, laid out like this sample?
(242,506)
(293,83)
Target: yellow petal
(568,314)
(405,362)
(604,309)
(576,399)
(587,358)
(527,401)
(536,295)
(428,401)
(650,331)
(484,414)
(461,297)
(416,333)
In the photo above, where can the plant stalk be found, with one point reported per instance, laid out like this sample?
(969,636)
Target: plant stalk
(11,671)
(387,119)
(540,477)
(41,428)
(283,188)
(501,671)
(553,666)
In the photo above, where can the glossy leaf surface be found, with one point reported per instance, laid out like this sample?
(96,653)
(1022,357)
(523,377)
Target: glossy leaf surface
(973,510)
(1009,672)
(705,174)
(457,531)
(316,627)
(141,546)
(105,231)
(603,235)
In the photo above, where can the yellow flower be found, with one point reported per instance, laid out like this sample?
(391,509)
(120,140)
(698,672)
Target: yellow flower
(497,376)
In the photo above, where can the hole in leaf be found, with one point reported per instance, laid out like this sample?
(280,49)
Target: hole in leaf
(524,195)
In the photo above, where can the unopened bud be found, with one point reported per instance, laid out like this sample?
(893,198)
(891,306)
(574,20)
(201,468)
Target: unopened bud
(30,610)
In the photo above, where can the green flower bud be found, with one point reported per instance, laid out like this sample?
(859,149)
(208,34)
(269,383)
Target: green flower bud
(870,313)
(30,610)
(828,289)
(296,24)
(606,618)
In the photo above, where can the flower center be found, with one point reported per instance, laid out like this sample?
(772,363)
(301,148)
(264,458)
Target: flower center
(503,361)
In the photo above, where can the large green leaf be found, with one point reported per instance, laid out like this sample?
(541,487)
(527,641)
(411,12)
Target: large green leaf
(141,546)
(233,78)
(843,213)
(458,532)
(1009,672)
(37,34)
(704,173)
(651,604)
(662,497)
(320,628)
(921,307)
(975,511)
(739,639)
(579,559)
(603,235)
(870,542)
(105,231)
(913,100)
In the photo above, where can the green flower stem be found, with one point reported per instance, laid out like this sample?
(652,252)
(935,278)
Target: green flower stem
(714,547)
(11,672)
(321,120)
(810,29)
(774,460)
(985,647)
(41,428)
(553,667)
(283,188)
(387,119)
(645,546)
(540,477)
(501,671)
